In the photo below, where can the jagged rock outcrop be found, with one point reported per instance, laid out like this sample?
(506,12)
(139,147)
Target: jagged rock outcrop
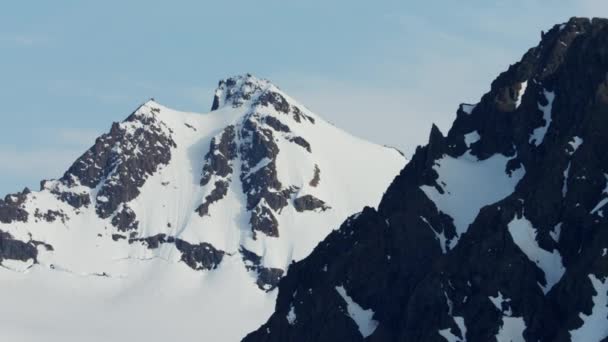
(495,232)
(202,256)
(15,249)
(122,160)
(11,208)
(309,203)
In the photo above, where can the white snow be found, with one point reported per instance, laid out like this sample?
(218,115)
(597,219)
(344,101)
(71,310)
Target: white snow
(524,236)
(468,108)
(265,161)
(498,302)
(291,316)
(538,135)
(480,182)
(361,317)
(603,201)
(440,236)
(157,301)
(512,330)
(595,325)
(575,143)
(17,265)
(449,336)
(520,94)
(565,183)
(471,138)
(556,232)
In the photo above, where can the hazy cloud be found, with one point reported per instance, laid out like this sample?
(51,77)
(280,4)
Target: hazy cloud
(77,137)
(396,101)
(23,39)
(26,167)
(592,8)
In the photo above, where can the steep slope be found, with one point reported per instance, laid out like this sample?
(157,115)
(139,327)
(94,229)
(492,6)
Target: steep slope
(496,232)
(206,208)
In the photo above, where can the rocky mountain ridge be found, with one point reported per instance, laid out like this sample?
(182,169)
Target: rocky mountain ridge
(495,232)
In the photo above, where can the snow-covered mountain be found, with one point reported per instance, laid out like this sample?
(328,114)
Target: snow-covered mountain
(496,232)
(180,224)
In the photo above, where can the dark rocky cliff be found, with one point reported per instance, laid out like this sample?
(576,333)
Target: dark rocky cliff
(531,264)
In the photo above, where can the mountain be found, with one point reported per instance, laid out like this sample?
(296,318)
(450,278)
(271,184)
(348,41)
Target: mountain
(496,232)
(180,224)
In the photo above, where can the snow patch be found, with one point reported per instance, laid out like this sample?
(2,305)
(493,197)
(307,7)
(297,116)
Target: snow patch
(538,135)
(595,325)
(512,330)
(440,236)
(556,232)
(471,138)
(467,108)
(565,183)
(575,143)
(499,302)
(291,315)
(486,182)
(361,317)
(520,94)
(604,200)
(524,236)
(450,337)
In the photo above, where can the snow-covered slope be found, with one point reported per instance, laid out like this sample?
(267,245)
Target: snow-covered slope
(181,224)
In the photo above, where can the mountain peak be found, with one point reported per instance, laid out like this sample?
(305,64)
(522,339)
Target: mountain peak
(239,194)
(237,90)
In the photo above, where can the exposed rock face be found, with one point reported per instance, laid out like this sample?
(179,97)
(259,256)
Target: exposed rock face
(309,203)
(268,278)
(51,215)
(125,219)
(276,124)
(495,232)
(11,208)
(258,150)
(262,220)
(251,147)
(219,191)
(314,182)
(237,91)
(13,249)
(121,160)
(302,142)
(202,256)
(218,161)
(74,196)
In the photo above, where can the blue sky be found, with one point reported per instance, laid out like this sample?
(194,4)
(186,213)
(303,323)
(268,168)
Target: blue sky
(382,70)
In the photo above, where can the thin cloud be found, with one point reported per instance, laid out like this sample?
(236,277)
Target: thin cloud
(74,88)
(27,167)
(593,8)
(77,137)
(24,40)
